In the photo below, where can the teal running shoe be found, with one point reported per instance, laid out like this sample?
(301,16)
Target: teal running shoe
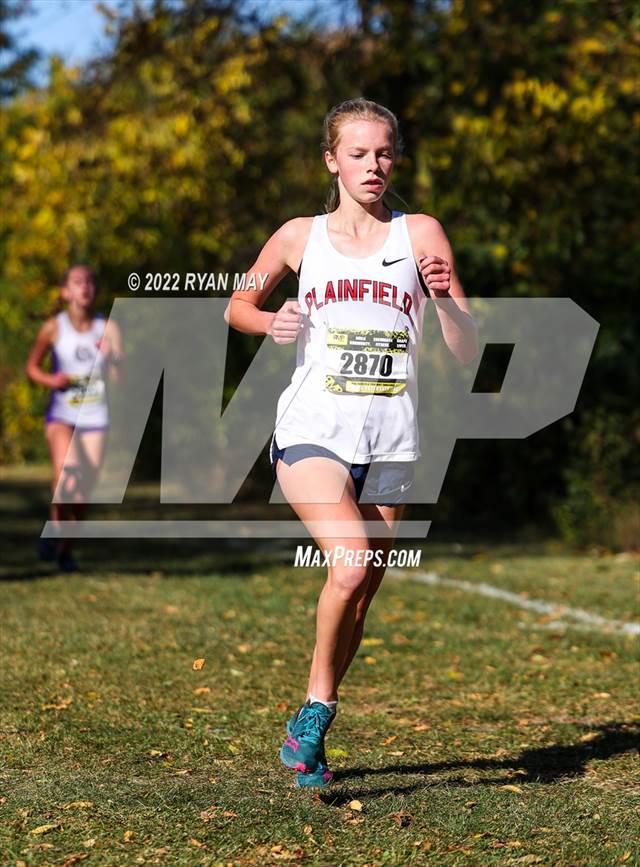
(322,776)
(293,719)
(303,746)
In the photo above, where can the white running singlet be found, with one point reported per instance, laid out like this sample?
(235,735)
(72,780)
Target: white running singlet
(354,389)
(75,353)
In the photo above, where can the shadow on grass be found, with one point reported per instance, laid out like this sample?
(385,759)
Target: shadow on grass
(542,765)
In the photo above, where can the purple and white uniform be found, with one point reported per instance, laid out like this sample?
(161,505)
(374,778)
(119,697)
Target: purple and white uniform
(84,403)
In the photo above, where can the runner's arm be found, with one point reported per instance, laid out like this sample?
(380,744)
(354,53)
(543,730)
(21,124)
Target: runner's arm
(42,344)
(275,260)
(113,345)
(459,329)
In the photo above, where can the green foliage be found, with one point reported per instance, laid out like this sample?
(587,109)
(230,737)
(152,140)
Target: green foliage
(602,503)
(16,63)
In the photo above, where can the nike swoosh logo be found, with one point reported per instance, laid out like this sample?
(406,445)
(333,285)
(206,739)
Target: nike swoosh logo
(393,262)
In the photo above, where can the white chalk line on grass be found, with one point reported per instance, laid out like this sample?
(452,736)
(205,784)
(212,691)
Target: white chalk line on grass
(588,619)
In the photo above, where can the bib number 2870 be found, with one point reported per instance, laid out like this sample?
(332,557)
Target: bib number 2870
(366,361)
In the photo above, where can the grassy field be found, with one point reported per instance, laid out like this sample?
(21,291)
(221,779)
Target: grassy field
(469,732)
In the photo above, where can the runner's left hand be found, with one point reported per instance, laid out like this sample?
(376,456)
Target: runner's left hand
(436,274)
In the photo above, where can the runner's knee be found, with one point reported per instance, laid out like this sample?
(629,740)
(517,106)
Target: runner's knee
(70,483)
(349,581)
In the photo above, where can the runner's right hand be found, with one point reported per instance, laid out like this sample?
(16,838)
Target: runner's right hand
(60,380)
(286,323)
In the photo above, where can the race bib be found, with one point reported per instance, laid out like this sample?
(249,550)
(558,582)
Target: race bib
(366,361)
(85,390)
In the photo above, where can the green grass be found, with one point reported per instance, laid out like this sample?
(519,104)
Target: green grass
(108,734)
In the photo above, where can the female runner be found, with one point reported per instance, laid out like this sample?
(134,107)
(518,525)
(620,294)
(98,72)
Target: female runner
(78,341)
(346,425)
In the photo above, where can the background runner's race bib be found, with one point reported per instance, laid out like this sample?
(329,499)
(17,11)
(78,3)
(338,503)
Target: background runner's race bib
(82,390)
(366,361)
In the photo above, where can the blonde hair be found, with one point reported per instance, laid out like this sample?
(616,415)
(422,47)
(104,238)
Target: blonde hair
(350,110)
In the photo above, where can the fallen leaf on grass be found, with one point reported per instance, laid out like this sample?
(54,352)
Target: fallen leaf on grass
(590,736)
(244,648)
(510,788)
(355,805)
(202,690)
(44,829)
(62,705)
(90,843)
(171,609)
(402,818)
(158,754)
(422,727)
(396,752)
(371,642)
(389,740)
(280,851)
(210,813)
(528,859)
(454,674)
(74,857)
(230,814)
(198,664)
(625,857)
(127,836)
(422,844)
(370,660)
(307,830)
(78,805)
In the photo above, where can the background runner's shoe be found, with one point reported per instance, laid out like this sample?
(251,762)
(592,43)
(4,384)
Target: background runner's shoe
(47,550)
(303,746)
(66,563)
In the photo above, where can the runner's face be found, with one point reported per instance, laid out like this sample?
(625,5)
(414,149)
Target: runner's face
(363,159)
(80,288)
